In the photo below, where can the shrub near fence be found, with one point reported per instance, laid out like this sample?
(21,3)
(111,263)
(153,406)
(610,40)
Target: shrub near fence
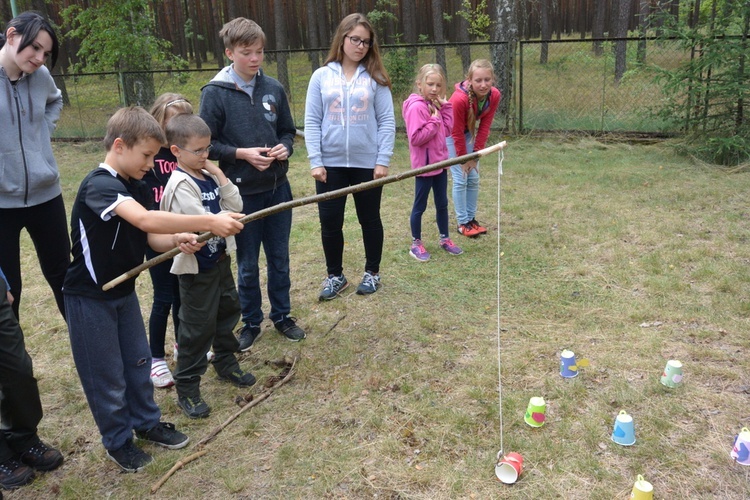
(574,90)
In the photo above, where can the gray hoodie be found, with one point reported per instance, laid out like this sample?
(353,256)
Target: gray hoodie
(29,109)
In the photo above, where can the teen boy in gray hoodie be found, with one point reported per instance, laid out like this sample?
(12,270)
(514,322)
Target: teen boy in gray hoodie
(252,137)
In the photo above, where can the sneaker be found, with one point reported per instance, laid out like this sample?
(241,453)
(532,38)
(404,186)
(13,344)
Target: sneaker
(194,407)
(239,378)
(332,287)
(130,457)
(418,251)
(210,355)
(14,474)
(450,247)
(161,377)
(248,335)
(164,434)
(467,230)
(370,283)
(42,457)
(479,229)
(288,327)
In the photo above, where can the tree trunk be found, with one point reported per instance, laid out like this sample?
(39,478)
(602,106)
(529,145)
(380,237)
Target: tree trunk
(463,36)
(546,30)
(409,29)
(597,29)
(503,54)
(643,14)
(194,35)
(621,31)
(282,73)
(437,28)
(312,34)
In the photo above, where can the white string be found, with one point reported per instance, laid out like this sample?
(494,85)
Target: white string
(500,159)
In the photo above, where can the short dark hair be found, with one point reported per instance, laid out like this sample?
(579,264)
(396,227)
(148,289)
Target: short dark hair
(28,25)
(182,128)
(132,124)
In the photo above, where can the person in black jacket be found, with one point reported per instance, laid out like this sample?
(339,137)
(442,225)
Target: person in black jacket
(252,137)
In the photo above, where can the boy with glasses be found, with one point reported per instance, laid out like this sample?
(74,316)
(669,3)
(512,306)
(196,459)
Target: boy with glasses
(209,307)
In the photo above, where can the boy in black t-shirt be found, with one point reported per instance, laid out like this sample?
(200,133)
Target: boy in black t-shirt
(208,296)
(110,227)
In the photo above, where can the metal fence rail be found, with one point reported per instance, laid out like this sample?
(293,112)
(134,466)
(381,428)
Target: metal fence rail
(573,91)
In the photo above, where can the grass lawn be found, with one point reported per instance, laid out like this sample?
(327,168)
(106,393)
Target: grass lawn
(627,255)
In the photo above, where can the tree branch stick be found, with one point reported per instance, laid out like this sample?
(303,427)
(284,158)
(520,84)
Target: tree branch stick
(179,465)
(312,199)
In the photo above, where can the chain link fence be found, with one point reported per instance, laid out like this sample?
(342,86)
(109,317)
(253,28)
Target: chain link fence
(575,90)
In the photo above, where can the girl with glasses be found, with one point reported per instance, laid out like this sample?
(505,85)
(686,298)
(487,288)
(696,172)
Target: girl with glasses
(350,130)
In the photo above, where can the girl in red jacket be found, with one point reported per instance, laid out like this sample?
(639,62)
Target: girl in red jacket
(475,101)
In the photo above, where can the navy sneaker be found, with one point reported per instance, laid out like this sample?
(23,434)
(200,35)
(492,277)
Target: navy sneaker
(194,407)
(370,283)
(129,457)
(332,287)
(288,328)
(248,335)
(164,434)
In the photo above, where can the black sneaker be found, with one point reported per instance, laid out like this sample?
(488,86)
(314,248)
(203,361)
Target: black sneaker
(14,474)
(288,327)
(332,287)
(130,457)
(42,457)
(239,378)
(370,283)
(248,335)
(164,434)
(194,407)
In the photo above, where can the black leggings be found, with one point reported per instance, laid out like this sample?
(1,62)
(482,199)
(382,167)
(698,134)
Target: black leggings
(331,213)
(48,228)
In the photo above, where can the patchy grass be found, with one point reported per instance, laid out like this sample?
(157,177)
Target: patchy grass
(629,256)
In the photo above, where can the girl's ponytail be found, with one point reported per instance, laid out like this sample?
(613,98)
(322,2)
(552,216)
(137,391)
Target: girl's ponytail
(471,117)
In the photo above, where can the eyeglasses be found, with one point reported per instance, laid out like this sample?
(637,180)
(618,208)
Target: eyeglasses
(359,42)
(199,152)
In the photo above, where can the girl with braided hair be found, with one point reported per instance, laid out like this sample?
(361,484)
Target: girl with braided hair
(474,101)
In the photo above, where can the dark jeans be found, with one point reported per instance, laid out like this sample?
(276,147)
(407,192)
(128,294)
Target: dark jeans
(48,228)
(273,233)
(166,297)
(20,405)
(113,361)
(331,213)
(439,186)
(210,309)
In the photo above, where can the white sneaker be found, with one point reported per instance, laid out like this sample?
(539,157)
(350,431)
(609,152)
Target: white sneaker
(161,377)
(209,355)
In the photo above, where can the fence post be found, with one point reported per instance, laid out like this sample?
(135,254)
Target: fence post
(520,86)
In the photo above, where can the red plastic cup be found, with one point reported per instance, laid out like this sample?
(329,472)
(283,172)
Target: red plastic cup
(509,468)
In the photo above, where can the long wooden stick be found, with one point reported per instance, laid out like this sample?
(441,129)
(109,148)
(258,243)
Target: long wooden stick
(312,199)
(179,465)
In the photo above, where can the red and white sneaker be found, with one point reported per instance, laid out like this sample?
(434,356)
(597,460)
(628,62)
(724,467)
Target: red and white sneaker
(161,377)
(468,230)
(480,230)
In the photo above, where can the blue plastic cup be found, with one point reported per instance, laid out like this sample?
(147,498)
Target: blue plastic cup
(624,430)
(568,367)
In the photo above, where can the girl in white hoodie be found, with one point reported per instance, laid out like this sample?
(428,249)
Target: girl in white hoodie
(350,130)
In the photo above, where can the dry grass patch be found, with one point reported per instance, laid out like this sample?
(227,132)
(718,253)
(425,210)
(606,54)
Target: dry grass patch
(627,255)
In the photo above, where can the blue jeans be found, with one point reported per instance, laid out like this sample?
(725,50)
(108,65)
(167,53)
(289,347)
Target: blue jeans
(438,184)
(465,186)
(273,232)
(113,360)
